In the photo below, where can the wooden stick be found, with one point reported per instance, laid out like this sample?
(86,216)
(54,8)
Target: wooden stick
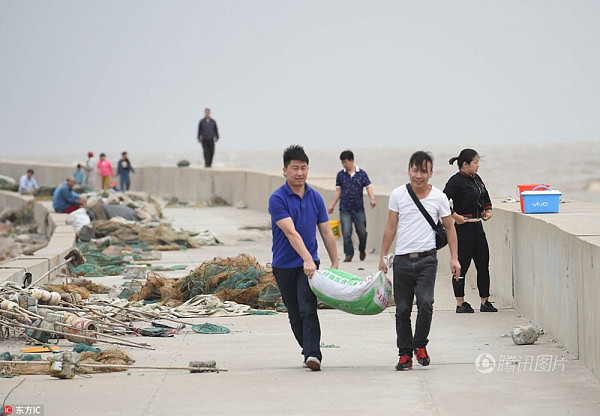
(143,313)
(25,368)
(112,318)
(43,367)
(118,324)
(16,314)
(32,339)
(151,367)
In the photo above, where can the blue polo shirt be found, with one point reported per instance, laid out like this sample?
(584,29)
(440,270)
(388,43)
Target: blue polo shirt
(306,213)
(351,198)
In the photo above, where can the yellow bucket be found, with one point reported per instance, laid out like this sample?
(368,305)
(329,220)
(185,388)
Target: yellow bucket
(335,227)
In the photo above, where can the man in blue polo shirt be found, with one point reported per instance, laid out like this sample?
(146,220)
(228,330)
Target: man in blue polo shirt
(349,185)
(297,211)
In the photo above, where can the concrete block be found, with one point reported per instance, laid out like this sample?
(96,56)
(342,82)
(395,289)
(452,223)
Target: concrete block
(137,271)
(34,266)
(8,274)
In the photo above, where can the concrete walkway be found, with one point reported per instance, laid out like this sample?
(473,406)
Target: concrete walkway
(265,376)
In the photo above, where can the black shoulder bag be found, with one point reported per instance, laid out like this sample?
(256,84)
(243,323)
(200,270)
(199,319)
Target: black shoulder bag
(441,240)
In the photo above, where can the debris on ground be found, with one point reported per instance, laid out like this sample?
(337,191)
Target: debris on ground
(115,356)
(110,246)
(208,328)
(240,279)
(525,335)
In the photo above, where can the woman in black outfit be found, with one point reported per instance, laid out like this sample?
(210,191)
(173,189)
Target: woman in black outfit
(471,204)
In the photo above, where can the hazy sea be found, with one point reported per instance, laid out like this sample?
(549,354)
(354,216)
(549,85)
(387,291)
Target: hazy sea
(572,168)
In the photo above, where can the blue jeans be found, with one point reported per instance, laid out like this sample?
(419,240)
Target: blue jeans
(124,181)
(413,277)
(358,218)
(301,304)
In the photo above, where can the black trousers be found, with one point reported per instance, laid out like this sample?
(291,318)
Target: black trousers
(413,278)
(473,245)
(209,151)
(301,304)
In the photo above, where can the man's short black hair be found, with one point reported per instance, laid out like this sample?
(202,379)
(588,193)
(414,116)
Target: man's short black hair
(30,171)
(421,159)
(347,155)
(294,152)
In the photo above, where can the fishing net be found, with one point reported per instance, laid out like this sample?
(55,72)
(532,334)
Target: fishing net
(104,357)
(157,288)
(208,328)
(240,279)
(111,245)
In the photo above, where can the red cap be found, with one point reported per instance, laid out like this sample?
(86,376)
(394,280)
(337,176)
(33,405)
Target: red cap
(90,154)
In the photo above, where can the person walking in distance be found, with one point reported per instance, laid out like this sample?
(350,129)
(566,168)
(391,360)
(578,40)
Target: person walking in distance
(349,184)
(297,210)
(471,205)
(415,260)
(208,135)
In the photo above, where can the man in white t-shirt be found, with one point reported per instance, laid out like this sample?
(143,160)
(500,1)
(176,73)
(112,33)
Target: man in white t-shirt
(415,260)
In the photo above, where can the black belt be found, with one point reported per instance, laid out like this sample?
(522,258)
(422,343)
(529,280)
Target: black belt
(418,255)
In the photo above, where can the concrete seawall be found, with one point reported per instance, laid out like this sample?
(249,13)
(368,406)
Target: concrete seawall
(61,238)
(546,266)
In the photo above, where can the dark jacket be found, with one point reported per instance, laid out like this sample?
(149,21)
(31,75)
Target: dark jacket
(207,129)
(469,195)
(124,167)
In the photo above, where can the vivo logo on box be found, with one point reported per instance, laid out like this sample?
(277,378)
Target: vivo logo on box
(538,202)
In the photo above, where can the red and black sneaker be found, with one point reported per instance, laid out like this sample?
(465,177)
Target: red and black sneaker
(404,363)
(422,356)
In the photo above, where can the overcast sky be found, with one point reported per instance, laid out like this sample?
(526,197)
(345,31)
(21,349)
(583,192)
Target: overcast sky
(136,75)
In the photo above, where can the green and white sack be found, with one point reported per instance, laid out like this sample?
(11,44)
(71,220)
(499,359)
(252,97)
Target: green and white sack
(350,293)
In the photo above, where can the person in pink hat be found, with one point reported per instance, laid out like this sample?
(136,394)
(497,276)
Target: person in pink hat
(105,170)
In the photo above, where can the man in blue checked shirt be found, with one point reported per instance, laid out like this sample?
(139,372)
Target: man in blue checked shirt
(349,185)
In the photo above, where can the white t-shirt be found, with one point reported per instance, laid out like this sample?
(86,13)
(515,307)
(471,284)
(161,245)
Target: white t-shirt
(413,232)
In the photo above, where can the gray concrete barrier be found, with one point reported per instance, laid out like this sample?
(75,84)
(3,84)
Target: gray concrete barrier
(61,238)
(545,265)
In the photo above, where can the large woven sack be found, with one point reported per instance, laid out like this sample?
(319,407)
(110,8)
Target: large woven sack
(352,294)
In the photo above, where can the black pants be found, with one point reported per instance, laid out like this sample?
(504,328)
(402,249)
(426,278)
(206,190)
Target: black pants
(472,245)
(209,151)
(301,304)
(413,277)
